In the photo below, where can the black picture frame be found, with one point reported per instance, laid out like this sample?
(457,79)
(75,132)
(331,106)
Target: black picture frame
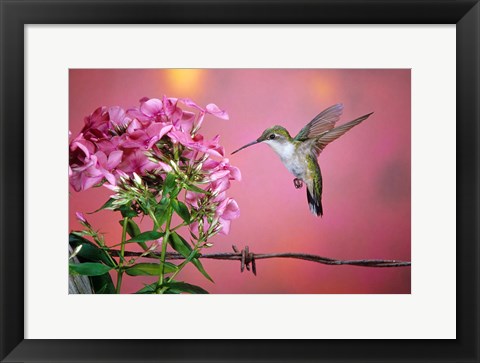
(15,14)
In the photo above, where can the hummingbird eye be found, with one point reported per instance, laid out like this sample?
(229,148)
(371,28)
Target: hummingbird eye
(272,136)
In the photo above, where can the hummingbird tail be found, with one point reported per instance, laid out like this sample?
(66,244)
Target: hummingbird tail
(315,203)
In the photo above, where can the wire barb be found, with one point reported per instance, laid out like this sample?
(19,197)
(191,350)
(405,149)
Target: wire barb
(247,259)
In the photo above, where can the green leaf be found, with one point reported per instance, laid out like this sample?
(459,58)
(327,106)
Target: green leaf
(127,211)
(89,268)
(194,188)
(164,202)
(148,289)
(178,287)
(108,205)
(180,245)
(89,251)
(162,216)
(171,292)
(102,284)
(169,183)
(196,262)
(174,287)
(150,269)
(193,236)
(162,210)
(133,230)
(182,210)
(146,236)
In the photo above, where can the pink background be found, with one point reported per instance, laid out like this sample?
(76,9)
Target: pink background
(366,173)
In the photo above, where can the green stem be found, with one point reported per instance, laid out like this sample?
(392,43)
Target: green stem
(175,152)
(179,226)
(122,253)
(180,267)
(110,258)
(184,263)
(154,219)
(164,246)
(119,280)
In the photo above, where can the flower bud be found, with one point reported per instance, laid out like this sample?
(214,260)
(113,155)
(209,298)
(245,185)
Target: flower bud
(75,251)
(198,167)
(174,166)
(81,217)
(137,180)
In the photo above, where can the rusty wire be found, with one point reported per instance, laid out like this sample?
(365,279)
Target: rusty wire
(248,259)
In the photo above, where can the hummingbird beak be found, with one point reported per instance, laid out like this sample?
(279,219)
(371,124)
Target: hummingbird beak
(244,146)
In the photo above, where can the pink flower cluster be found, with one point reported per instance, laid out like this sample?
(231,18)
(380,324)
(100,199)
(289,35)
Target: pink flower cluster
(219,174)
(113,143)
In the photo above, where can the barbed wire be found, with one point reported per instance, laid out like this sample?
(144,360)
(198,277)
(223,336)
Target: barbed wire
(248,259)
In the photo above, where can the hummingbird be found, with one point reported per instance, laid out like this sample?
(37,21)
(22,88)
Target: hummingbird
(299,154)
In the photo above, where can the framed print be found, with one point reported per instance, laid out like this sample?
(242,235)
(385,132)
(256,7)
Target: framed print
(166,76)
(208,222)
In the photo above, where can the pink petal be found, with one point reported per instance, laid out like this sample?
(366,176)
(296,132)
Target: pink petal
(134,126)
(188,102)
(98,117)
(232,210)
(192,198)
(194,227)
(161,131)
(188,116)
(118,116)
(90,181)
(216,111)
(169,105)
(110,186)
(225,226)
(80,217)
(135,113)
(181,137)
(86,146)
(220,199)
(185,123)
(165,167)
(221,185)
(235,173)
(218,175)
(101,158)
(114,159)
(151,107)
(210,164)
(76,181)
(221,207)
(200,118)
(218,151)
(110,178)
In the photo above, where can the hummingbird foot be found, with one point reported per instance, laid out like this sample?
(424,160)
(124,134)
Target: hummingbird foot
(298,183)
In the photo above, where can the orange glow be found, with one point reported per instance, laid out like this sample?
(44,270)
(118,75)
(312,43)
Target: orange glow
(323,87)
(185,81)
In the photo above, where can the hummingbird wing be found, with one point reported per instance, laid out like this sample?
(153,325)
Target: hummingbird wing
(334,134)
(314,185)
(323,122)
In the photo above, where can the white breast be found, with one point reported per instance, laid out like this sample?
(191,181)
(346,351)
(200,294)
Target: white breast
(286,152)
(283,149)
